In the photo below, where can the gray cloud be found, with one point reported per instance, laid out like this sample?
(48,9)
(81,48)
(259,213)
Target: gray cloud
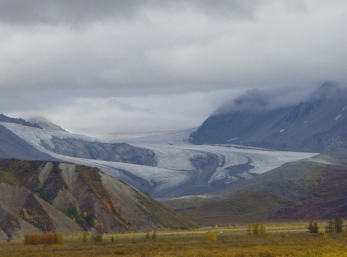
(58,55)
(64,11)
(53,12)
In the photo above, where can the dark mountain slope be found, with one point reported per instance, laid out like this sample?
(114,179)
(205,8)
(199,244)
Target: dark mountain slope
(12,146)
(49,196)
(318,124)
(4,118)
(312,188)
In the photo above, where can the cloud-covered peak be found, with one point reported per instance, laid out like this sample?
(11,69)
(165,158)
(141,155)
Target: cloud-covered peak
(329,90)
(45,124)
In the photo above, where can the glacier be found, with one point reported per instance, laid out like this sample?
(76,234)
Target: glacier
(181,168)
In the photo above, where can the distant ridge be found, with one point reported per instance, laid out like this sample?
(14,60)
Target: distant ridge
(318,124)
(4,118)
(45,124)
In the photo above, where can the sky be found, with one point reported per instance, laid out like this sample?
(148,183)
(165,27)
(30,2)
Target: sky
(113,67)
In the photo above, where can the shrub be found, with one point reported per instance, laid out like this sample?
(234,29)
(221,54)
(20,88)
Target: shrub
(114,240)
(85,238)
(256,229)
(338,225)
(313,227)
(212,236)
(46,238)
(98,237)
(154,235)
(120,252)
(335,225)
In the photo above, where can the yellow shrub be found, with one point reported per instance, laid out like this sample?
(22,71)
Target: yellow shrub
(212,236)
(46,238)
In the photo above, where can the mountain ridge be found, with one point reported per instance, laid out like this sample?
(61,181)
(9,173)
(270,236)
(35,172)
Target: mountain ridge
(318,124)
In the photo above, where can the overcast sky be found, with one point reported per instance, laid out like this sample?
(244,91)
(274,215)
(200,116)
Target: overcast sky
(108,66)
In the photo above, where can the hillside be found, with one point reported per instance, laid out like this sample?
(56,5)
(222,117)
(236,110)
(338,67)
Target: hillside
(41,196)
(318,124)
(314,188)
(12,146)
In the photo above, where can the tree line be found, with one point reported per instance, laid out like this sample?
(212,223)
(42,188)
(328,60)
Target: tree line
(334,225)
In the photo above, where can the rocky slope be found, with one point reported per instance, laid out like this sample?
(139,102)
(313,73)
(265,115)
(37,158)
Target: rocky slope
(41,196)
(314,188)
(318,124)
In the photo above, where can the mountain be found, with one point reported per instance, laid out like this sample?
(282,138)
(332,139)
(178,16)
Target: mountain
(12,146)
(23,122)
(314,188)
(39,196)
(44,123)
(318,124)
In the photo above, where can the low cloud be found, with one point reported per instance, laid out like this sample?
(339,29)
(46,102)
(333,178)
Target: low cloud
(54,54)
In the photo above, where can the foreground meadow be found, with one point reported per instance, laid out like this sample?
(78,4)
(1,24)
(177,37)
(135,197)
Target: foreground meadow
(279,241)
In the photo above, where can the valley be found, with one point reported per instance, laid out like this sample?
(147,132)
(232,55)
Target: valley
(168,169)
(192,184)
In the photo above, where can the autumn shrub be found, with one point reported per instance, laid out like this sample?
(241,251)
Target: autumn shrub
(98,237)
(84,238)
(212,236)
(46,238)
(256,229)
(154,235)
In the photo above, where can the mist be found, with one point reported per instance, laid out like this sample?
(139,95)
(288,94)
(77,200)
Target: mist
(116,66)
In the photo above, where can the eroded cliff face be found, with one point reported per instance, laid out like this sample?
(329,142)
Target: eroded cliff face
(49,196)
(116,152)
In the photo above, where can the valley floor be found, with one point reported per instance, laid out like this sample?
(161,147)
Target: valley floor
(281,240)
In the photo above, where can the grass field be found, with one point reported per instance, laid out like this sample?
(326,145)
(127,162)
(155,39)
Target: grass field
(286,239)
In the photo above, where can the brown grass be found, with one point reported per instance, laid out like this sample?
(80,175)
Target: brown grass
(231,241)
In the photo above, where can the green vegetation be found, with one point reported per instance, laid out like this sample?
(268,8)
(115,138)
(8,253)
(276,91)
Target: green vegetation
(313,227)
(16,172)
(334,225)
